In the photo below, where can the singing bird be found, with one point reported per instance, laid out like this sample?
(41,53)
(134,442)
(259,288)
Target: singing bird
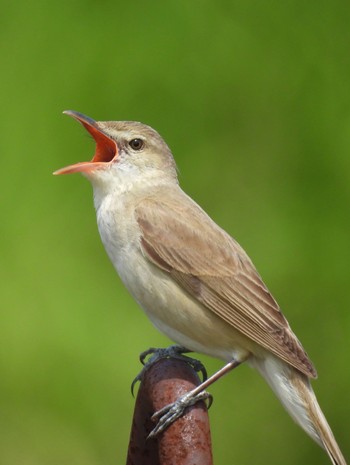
(194,281)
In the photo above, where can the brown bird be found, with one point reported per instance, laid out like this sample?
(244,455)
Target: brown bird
(195,283)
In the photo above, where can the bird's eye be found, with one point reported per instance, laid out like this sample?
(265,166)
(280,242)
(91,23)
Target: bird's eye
(136,144)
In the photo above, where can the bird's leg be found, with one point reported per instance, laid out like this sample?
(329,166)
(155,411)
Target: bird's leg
(168,352)
(172,412)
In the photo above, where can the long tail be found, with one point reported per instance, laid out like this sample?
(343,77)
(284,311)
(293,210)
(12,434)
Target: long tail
(297,396)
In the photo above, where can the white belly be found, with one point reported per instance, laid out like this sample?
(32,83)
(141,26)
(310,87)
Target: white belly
(171,309)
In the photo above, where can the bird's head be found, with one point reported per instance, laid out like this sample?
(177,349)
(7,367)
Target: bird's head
(123,149)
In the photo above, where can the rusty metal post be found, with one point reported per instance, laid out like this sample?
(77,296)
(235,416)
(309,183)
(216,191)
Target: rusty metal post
(187,441)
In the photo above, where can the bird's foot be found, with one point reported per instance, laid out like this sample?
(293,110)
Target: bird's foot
(168,414)
(175,352)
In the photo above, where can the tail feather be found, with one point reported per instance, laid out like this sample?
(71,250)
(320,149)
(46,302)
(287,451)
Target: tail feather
(297,396)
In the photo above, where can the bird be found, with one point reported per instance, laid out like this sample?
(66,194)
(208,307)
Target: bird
(192,279)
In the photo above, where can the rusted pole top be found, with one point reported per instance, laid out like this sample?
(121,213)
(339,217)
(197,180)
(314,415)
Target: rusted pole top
(187,441)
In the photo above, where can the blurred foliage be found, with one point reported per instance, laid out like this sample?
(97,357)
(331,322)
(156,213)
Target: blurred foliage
(253,98)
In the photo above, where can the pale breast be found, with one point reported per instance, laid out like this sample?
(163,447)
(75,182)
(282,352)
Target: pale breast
(170,308)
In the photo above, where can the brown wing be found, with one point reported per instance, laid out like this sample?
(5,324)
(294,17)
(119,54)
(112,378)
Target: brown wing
(181,239)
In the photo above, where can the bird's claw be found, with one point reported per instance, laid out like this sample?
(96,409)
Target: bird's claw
(135,380)
(171,412)
(173,351)
(145,353)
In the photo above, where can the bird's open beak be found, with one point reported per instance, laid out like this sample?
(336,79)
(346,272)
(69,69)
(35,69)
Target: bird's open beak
(106,148)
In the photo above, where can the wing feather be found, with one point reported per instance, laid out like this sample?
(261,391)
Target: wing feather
(180,238)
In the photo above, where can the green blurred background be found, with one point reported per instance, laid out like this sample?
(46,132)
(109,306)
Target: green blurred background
(253,98)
